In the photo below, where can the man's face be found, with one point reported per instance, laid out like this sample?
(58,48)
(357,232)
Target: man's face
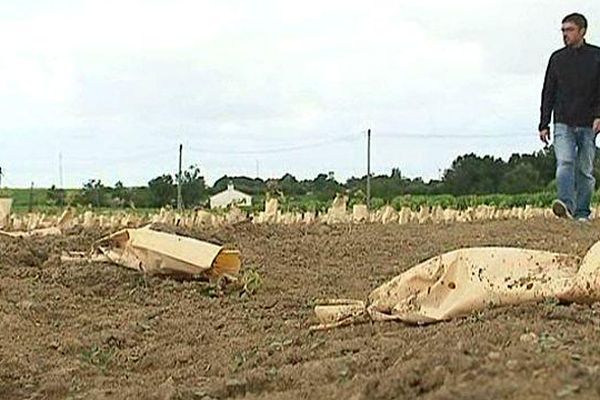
(572,34)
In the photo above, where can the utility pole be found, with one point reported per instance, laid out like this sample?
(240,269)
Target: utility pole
(31,198)
(369,169)
(1,174)
(60,170)
(60,180)
(257,169)
(179,198)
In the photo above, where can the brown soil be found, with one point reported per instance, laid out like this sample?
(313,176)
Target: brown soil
(72,330)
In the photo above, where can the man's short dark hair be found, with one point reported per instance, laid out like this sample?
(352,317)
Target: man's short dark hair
(577,19)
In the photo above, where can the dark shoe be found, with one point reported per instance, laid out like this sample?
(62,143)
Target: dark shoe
(560,210)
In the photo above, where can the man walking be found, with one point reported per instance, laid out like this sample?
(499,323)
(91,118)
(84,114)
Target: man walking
(572,92)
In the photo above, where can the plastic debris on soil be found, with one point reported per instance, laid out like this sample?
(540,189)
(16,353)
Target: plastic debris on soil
(154,252)
(467,280)
(5,206)
(65,218)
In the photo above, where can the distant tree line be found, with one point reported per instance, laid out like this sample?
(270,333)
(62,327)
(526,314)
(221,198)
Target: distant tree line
(468,174)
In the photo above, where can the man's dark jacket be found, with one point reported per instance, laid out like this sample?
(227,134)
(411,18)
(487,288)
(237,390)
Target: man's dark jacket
(572,87)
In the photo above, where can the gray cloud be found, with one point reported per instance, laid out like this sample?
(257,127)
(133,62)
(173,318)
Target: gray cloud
(102,82)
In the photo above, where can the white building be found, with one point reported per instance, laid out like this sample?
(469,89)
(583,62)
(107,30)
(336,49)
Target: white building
(230,196)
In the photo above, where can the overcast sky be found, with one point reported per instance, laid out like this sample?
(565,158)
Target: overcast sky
(268,86)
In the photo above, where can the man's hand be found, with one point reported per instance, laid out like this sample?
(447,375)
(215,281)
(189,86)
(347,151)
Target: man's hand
(545,135)
(596,126)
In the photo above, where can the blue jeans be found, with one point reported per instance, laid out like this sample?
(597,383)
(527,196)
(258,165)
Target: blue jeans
(575,149)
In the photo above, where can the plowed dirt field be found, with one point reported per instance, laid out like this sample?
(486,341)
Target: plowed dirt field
(96,331)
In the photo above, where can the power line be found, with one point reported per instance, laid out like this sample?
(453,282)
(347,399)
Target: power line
(353,137)
(283,149)
(101,162)
(449,136)
(102,159)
